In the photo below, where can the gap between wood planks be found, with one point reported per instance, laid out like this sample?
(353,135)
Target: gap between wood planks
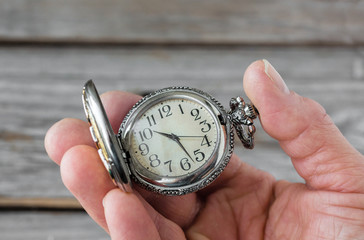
(80,42)
(11,204)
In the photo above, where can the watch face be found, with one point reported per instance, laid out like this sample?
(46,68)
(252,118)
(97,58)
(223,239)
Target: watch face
(176,140)
(174,137)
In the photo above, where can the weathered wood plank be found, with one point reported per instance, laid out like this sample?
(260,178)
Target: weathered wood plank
(39,86)
(176,21)
(49,226)
(40,203)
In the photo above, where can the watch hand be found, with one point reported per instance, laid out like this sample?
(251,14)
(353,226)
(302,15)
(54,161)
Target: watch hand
(176,139)
(164,134)
(190,136)
(170,135)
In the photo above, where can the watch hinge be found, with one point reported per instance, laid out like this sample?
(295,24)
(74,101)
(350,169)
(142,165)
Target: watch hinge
(127,156)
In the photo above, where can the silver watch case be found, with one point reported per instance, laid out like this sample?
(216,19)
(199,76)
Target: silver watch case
(114,149)
(200,177)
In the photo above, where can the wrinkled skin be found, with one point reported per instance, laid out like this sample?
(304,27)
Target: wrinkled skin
(243,203)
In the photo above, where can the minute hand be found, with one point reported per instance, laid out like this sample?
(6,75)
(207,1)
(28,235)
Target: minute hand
(176,139)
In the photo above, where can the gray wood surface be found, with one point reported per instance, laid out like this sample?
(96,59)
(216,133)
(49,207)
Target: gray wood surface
(49,48)
(32,225)
(176,21)
(40,86)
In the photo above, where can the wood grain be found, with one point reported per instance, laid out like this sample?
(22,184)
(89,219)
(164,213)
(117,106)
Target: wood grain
(49,226)
(39,203)
(41,85)
(179,22)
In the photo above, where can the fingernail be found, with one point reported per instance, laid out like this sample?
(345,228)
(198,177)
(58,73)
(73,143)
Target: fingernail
(103,202)
(275,77)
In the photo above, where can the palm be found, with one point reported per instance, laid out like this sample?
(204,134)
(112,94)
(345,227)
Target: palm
(235,206)
(278,210)
(247,203)
(300,213)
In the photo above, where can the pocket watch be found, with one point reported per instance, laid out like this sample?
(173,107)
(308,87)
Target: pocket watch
(173,141)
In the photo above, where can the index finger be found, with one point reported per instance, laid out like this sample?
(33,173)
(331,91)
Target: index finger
(69,132)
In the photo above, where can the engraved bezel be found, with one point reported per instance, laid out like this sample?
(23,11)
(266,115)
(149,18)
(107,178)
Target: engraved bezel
(201,177)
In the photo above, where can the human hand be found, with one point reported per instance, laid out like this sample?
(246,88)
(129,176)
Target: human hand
(244,202)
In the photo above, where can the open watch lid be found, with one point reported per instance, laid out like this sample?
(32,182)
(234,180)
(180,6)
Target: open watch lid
(107,143)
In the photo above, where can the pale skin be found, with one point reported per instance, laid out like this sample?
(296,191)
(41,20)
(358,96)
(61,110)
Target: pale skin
(243,203)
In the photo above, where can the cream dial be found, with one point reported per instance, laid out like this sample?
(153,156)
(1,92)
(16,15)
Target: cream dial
(174,137)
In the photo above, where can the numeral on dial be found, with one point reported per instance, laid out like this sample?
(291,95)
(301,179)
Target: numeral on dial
(185,164)
(195,113)
(144,149)
(181,109)
(207,126)
(165,111)
(169,163)
(199,155)
(205,141)
(154,160)
(147,134)
(151,120)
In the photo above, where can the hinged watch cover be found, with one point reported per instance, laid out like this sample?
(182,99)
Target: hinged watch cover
(109,148)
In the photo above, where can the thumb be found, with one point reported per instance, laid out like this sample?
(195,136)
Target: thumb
(319,152)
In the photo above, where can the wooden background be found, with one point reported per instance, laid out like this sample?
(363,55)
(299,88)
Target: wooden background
(49,48)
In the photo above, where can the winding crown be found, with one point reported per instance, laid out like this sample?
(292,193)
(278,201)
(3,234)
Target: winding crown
(241,115)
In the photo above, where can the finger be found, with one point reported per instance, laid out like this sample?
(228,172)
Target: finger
(117,104)
(86,178)
(130,217)
(69,132)
(182,209)
(65,134)
(319,152)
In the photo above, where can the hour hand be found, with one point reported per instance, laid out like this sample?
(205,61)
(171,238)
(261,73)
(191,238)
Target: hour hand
(165,134)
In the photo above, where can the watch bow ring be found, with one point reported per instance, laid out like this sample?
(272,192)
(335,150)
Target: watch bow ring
(173,141)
